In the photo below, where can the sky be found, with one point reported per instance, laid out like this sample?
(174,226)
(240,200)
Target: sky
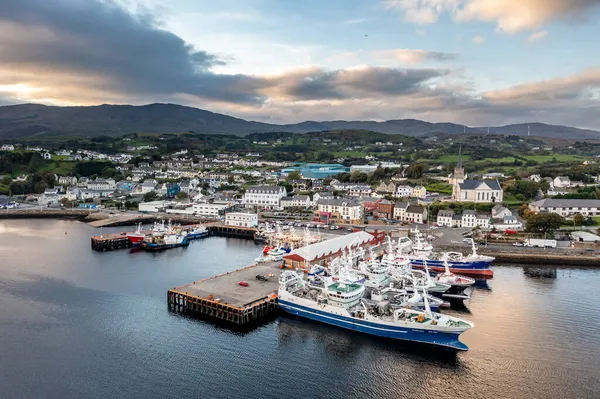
(474,62)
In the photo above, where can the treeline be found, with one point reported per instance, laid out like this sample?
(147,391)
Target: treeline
(36,183)
(582,193)
(525,190)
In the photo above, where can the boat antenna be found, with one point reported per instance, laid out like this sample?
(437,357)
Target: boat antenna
(446,264)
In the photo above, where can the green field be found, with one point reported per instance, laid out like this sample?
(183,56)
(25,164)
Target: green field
(558,157)
(349,154)
(63,168)
(503,159)
(452,158)
(443,188)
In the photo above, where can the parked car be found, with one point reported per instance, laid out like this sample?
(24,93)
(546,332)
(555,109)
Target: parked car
(518,244)
(243,283)
(468,240)
(262,277)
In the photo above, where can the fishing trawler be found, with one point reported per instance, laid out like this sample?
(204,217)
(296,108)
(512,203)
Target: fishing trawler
(196,232)
(472,264)
(136,236)
(341,304)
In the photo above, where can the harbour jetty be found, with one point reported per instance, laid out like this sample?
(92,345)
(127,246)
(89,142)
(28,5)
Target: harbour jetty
(111,242)
(223,298)
(115,220)
(37,213)
(223,230)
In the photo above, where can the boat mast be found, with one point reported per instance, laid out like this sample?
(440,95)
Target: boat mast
(426,302)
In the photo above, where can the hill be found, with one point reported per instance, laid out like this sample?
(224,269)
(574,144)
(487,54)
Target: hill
(31,120)
(110,120)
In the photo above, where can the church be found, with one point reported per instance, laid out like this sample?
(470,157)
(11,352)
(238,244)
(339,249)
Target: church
(464,190)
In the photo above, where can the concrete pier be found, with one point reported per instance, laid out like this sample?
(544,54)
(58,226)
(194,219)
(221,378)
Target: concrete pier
(222,297)
(110,242)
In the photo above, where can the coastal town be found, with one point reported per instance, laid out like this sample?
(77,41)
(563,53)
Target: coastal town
(368,191)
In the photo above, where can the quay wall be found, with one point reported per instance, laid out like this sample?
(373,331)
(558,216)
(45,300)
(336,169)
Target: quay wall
(536,256)
(46,214)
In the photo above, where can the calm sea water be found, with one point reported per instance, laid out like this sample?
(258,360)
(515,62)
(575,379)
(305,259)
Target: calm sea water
(77,323)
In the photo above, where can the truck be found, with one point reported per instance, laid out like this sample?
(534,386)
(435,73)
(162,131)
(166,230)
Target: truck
(539,242)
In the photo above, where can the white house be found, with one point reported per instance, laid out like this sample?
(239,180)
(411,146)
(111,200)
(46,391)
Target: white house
(209,210)
(404,191)
(339,210)
(301,201)
(500,212)
(148,186)
(535,178)
(415,214)
(241,219)
(67,180)
(264,196)
(322,195)
(47,155)
(444,217)
(100,184)
(73,193)
(7,147)
(561,182)
(567,207)
(470,219)
(49,197)
(400,209)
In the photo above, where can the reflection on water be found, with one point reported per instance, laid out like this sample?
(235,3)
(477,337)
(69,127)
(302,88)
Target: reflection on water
(77,323)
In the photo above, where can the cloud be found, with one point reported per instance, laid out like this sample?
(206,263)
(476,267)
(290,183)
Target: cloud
(478,39)
(411,57)
(509,15)
(362,82)
(92,52)
(99,48)
(534,37)
(572,100)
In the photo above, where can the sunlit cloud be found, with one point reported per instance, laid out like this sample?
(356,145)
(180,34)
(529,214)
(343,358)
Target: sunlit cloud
(509,15)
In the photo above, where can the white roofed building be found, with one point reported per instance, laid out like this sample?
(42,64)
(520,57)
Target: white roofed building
(324,251)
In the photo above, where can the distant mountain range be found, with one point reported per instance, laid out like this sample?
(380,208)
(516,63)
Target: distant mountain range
(30,120)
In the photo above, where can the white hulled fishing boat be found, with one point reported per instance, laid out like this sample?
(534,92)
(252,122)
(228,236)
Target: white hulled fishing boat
(341,304)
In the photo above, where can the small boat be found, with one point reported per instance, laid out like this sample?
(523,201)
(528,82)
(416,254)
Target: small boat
(271,254)
(454,280)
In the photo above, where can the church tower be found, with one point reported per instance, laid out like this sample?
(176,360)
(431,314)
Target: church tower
(459,171)
(458,176)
